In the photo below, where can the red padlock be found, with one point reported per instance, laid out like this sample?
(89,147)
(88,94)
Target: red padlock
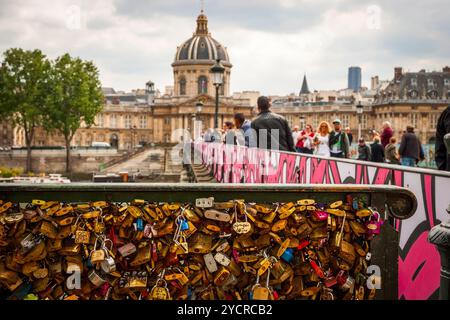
(317,269)
(303,244)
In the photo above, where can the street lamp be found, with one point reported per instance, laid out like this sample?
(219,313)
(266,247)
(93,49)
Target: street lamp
(302,122)
(196,127)
(217,70)
(359,112)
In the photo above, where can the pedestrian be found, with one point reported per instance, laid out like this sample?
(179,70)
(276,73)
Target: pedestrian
(442,153)
(338,141)
(377,150)
(349,135)
(295,134)
(386,133)
(229,135)
(305,140)
(410,150)
(390,152)
(363,150)
(321,140)
(243,128)
(272,130)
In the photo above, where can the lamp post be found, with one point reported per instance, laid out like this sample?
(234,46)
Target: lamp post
(196,126)
(359,112)
(217,70)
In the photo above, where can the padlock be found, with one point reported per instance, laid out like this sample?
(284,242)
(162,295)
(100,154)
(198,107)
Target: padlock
(95,278)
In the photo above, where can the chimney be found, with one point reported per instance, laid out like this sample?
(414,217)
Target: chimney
(446,69)
(398,72)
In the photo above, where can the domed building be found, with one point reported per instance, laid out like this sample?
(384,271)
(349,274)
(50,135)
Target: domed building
(194,59)
(193,86)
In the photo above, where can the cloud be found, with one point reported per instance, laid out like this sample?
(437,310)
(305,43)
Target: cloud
(271,43)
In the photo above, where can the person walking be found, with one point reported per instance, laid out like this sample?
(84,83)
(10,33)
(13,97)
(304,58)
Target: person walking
(272,130)
(349,135)
(243,128)
(410,150)
(377,151)
(386,133)
(229,135)
(295,134)
(364,153)
(390,152)
(338,141)
(305,140)
(443,127)
(321,140)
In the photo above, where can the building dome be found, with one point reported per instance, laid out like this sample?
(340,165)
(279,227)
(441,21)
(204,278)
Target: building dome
(201,48)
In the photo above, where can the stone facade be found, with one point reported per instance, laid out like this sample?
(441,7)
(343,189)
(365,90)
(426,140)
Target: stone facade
(143,116)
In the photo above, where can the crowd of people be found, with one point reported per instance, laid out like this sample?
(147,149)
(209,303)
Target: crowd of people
(272,131)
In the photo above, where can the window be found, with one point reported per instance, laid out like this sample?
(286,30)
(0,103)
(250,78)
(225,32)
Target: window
(100,120)
(447,82)
(413,119)
(127,121)
(431,83)
(143,122)
(182,86)
(345,121)
(113,121)
(364,119)
(414,82)
(166,120)
(315,121)
(202,85)
(433,120)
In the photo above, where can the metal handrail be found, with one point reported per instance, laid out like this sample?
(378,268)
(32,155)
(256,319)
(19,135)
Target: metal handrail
(400,202)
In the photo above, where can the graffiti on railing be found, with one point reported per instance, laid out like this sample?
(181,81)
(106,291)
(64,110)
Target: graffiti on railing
(419,265)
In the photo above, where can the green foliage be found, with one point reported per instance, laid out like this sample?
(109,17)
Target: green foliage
(75,95)
(59,96)
(24,79)
(10,172)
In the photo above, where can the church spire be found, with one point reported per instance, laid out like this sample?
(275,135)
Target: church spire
(305,89)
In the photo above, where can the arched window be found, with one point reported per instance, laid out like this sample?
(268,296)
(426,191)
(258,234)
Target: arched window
(202,85)
(182,86)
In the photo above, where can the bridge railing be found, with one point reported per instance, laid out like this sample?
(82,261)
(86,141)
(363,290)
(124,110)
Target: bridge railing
(391,200)
(419,262)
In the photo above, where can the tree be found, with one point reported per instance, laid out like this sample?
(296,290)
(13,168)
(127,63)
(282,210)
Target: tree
(75,98)
(23,83)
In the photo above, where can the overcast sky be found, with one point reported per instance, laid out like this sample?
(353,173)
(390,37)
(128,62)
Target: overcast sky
(271,43)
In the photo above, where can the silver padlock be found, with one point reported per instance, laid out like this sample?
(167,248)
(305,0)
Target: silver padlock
(95,278)
(210,263)
(108,265)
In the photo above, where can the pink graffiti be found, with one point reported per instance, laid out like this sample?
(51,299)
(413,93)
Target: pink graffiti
(426,282)
(286,162)
(319,171)
(263,166)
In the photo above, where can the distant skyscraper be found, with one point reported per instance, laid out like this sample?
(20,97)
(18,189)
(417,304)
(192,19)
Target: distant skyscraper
(354,78)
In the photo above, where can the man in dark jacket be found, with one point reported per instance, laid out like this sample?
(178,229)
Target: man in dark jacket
(411,151)
(363,150)
(443,127)
(377,150)
(271,130)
